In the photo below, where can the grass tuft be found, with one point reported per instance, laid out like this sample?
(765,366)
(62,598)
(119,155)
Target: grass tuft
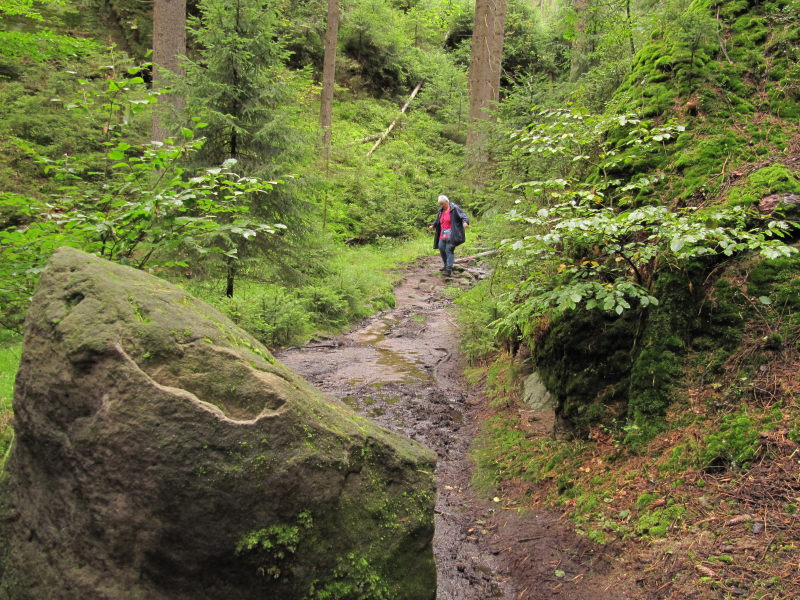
(9,363)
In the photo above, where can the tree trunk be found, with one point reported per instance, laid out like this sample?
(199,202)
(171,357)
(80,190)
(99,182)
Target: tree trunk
(169,44)
(580,45)
(329,75)
(629,21)
(230,275)
(484,73)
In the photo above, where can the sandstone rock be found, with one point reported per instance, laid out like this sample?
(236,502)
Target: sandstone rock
(162,453)
(536,395)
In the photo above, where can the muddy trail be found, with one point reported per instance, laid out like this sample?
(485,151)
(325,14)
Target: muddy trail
(401,368)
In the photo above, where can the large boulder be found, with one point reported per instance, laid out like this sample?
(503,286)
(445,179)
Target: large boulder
(162,453)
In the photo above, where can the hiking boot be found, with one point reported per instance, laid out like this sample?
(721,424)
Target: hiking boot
(447,272)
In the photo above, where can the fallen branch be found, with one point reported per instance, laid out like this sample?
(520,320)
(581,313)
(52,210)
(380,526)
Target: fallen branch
(722,42)
(402,110)
(366,138)
(478,255)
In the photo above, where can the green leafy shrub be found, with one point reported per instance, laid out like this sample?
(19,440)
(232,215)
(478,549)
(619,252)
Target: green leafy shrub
(44,45)
(594,243)
(354,578)
(273,314)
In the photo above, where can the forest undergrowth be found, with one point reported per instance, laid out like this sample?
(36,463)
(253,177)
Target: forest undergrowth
(640,193)
(707,509)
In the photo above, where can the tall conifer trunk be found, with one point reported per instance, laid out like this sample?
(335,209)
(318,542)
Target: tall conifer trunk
(579,49)
(169,44)
(484,74)
(326,98)
(329,75)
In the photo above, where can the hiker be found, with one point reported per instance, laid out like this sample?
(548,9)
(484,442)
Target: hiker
(449,226)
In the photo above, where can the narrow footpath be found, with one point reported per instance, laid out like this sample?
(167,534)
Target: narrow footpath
(402,369)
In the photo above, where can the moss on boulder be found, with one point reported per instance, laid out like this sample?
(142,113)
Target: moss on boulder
(162,452)
(776,178)
(663,342)
(584,361)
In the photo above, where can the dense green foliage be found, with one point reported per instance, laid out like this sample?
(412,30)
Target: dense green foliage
(640,207)
(81,111)
(642,193)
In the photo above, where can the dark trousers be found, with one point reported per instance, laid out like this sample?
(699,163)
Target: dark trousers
(447,252)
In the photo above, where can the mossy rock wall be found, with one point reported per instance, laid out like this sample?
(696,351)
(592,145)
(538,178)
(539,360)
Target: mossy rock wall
(161,452)
(726,70)
(584,361)
(662,345)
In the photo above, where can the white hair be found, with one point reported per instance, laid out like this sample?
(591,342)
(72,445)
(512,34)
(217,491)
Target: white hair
(444,198)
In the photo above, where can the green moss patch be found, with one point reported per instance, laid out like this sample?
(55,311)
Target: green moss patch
(584,362)
(773,179)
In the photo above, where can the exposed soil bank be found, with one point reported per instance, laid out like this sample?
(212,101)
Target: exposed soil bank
(401,368)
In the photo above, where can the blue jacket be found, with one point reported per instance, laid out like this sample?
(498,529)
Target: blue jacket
(457,219)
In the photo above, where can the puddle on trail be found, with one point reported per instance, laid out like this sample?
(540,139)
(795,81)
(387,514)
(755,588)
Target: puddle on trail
(377,331)
(400,362)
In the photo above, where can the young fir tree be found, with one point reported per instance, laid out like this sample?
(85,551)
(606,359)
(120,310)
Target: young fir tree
(238,84)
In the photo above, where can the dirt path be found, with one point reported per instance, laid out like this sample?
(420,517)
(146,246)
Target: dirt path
(401,368)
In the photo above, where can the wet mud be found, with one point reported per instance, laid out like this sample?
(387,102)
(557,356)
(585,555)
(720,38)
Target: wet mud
(401,368)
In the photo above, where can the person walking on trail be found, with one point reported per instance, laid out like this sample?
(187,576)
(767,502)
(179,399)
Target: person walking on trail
(449,227)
